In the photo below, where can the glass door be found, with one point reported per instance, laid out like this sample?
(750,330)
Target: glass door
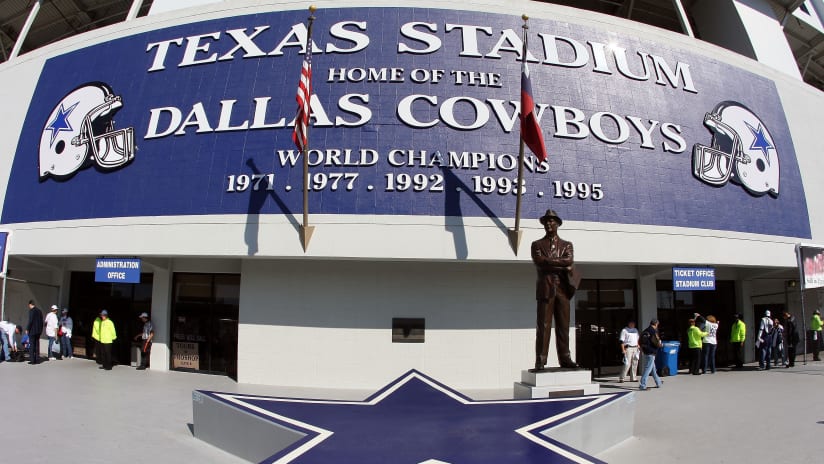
(602,308)
(204,323)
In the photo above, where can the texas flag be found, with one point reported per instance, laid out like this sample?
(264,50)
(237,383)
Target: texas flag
(530,130)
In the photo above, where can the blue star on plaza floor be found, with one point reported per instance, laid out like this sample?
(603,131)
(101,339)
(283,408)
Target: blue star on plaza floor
(416,419)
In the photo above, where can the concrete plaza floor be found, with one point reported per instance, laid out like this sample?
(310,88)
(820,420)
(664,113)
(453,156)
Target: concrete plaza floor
(70,411)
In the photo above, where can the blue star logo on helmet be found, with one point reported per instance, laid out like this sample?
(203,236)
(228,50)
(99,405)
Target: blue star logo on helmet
(760,141)
(80,133)
(60,121)
(742,151)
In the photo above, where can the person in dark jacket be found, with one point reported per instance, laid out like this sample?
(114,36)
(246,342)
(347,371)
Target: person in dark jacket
(791,332)
(34,329)
(650,343)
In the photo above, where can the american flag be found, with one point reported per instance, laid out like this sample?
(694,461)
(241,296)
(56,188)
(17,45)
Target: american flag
(299,136)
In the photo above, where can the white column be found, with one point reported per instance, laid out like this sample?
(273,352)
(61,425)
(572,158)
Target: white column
(136,4)
(161,318)
(25,31)
(748,27)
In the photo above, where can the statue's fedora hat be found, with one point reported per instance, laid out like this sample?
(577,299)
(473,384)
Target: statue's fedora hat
(550,214)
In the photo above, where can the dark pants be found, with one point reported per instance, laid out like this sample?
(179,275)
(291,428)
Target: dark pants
(557,307)
(816,344)
(791,355)
(98,356)
(144,360)
(34,348)
(709,357)
(737,353)
(695,361)
(106,355)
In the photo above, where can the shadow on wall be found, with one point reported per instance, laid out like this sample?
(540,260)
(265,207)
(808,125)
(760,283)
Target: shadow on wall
(257,198)
(367,295)
(454,216)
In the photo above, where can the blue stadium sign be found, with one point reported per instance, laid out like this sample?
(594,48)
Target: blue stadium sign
(117,270)
(414,112)
(693,278)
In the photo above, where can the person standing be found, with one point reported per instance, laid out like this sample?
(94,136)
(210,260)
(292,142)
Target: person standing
(98,357)
(107,337)
(710,344)
(763,341)
(791,332)
(146,338)
(650,344)
(629,347)
(694,340)
(7,332)
(66,326)
(553,259)
(34,329)
(738,334)
(779,354)
(815,334)
(52,325)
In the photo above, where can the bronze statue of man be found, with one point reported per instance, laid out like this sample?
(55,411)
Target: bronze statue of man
(553,258)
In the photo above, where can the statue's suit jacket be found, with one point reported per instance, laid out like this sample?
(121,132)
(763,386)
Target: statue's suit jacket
(554,258)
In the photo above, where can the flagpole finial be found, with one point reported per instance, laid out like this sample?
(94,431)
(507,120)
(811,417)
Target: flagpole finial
(525,17)
(312,9)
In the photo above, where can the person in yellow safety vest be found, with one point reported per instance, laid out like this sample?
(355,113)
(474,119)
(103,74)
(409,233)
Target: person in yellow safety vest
(694,339)
(815,328)
(96,338)
(107,337)
(738,334)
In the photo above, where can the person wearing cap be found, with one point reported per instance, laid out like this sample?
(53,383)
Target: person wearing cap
(629,350)
(66,327)
(738,333)
(553,259)
(815,334)
(34,329)
(107,337)
(695,342)
(764,341)
(51,331)
(146,338)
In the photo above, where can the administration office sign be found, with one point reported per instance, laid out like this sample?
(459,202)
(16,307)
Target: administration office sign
(117,270)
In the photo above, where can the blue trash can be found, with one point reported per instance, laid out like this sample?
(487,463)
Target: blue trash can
(666,361)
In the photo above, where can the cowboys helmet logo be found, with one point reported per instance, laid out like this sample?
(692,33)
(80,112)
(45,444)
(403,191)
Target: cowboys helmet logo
(80,133)
(742,150)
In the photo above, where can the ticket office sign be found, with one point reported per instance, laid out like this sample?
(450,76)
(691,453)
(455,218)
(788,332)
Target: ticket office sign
(693,278)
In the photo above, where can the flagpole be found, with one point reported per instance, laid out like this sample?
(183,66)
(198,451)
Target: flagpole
(306,230)
(515,234)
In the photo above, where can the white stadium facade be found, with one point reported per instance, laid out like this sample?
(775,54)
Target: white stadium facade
(681,134)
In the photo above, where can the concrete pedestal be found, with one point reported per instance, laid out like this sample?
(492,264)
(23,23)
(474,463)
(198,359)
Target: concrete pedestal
(555,382)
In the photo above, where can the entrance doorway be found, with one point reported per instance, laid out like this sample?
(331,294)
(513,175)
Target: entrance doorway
(602,309)
(124,302)
(205,310)
(676,308)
